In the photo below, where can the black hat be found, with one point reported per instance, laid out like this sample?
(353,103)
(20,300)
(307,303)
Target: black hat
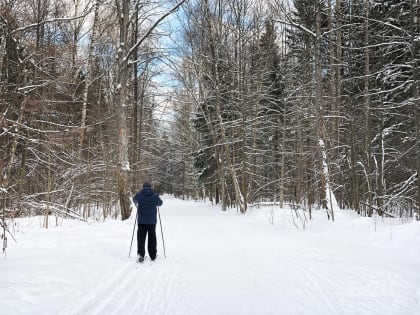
(147,184)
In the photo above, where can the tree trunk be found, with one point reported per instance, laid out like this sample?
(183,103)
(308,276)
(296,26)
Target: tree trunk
(7,172)
(47,206)
(417,109)
(122,99)
(89,77)
(381,165)
(353,171)
(318,99)
(368,148)
(134,157)
(3,29)
(332,85)
(337,65)
(282,161)
(238,194)
(415,55)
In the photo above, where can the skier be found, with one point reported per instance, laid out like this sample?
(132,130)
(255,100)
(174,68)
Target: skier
(147,201)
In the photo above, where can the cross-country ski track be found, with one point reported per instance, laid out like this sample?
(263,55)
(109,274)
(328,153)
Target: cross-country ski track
(217,263)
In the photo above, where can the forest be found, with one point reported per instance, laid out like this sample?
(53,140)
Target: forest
(309,104)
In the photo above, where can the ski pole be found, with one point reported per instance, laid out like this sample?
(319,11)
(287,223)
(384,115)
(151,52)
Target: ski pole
(161,231)
(132,237)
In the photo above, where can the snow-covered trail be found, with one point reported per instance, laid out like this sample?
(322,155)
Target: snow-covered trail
(217,263)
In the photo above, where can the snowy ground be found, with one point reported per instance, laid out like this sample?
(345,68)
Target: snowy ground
(217,263)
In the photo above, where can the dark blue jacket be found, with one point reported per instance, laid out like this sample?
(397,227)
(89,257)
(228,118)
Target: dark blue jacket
(147,202)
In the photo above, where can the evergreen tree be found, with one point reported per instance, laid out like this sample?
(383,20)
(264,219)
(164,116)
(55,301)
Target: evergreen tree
(272,107)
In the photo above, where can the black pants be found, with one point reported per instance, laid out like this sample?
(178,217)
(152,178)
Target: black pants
(150,231)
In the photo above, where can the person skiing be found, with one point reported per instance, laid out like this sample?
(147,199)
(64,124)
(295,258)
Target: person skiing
(147,201)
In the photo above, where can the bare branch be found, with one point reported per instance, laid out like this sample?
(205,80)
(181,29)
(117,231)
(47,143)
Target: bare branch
(158,21)
(54,20)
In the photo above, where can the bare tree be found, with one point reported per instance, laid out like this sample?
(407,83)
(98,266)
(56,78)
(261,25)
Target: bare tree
(124,53)
(88,74)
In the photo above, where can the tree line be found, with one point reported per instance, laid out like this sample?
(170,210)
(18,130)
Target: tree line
(305,103)
(314,104)
(77,96)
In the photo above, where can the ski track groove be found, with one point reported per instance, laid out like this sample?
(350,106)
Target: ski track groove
(127,294)
(88,300)
(374,306)
(136,298)
(114,298)
(138,289)
(168,279)
(312,279)
(134,291)
(335,288)
(169,290)
(110,291)
(147,301)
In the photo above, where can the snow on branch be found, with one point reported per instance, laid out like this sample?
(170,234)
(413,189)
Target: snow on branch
(299,26)
(125,166)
